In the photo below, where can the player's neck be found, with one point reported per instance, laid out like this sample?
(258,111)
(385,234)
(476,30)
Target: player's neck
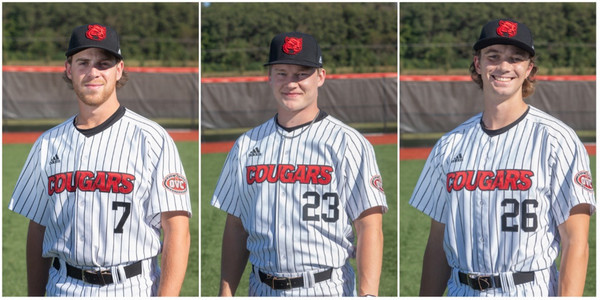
(290,119)
(92,116)
(498,115)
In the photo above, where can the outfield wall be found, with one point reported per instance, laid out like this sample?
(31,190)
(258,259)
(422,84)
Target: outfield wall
(440,103)
(236,102)
(41,93)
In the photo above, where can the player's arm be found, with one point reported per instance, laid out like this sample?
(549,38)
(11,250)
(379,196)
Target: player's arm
(575,251)
(369,250)
(37,266)
(175,252)
(436,270)
(234,255)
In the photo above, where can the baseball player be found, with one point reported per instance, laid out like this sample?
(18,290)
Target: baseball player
(99,188)
(507,189)
(294,186)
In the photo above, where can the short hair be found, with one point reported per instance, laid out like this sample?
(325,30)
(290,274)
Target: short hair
(528,85)
(120,83)
(318,69)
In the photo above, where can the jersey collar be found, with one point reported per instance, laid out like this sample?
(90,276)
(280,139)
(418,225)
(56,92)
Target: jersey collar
(111,120)
(320,117)
(505,128)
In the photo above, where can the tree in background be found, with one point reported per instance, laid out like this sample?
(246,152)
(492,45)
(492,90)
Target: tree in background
(163,34)
(440,36)
(358,37)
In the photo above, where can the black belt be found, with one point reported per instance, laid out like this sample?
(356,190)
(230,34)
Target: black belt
(286,283)
(485,282)
(98,277)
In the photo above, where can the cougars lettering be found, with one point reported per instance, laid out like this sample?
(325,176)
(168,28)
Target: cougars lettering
(87,181)
(314,174)
(489,180)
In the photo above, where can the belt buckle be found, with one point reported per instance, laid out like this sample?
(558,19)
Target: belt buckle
(84,274)
(288,282)
(483,282)
(98,273)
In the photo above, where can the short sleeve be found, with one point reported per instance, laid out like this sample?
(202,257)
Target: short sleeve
(226,195)
(364,185)
(30,196)
(429,195)
(170,187)
(571,179)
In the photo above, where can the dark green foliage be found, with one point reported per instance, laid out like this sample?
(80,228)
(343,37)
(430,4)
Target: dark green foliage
(236,36)
(163,32)
(441,35)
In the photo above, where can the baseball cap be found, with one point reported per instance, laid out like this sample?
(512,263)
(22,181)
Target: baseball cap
(94,36)
(295,48)
(508,32)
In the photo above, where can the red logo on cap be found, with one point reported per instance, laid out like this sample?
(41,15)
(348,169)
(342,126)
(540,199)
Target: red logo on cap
(292,45)
(506,28)
(96,32)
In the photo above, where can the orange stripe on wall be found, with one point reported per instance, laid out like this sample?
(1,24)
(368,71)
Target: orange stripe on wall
(60,69)
(30,137)
(468,78)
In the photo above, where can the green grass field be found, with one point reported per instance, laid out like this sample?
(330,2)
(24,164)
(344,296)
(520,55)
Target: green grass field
(414,230)
(213,220)
(14,226)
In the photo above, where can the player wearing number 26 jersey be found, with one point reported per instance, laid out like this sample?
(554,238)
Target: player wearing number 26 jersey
(99,188)
(294,186)
(508,189)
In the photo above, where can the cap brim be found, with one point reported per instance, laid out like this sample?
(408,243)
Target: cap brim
(78,49)
(294,62)
(503,41)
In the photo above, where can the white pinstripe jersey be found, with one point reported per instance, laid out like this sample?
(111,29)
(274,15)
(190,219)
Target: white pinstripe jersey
(297,196)
(502,194)
(100,192)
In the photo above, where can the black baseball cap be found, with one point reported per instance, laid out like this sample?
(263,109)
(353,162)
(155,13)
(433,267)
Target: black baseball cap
(295,48)
(94,36)
(508,32)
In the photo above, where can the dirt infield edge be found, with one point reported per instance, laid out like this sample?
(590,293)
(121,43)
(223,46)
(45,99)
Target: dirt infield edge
(30,137)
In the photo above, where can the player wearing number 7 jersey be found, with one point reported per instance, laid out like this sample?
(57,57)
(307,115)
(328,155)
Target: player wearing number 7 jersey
(294,186)
(507,189)
(99,188)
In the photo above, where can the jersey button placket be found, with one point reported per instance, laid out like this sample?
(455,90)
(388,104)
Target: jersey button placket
(491,154)
(83,225)
(279,234)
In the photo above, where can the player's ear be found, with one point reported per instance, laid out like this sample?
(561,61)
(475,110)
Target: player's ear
(476,64)
(68,69)
(120,68)
(321,74)
(529,68)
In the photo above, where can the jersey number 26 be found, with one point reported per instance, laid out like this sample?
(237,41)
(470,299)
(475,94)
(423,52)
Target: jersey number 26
(529,220)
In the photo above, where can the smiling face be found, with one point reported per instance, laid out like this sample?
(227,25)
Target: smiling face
(94,73)
(503,69)
(296,88)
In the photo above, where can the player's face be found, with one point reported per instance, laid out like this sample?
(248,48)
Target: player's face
(295,87)
(503,69)
(94,74)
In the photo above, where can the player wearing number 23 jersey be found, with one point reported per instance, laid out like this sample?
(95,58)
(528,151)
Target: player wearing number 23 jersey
(506,190)
(292,193)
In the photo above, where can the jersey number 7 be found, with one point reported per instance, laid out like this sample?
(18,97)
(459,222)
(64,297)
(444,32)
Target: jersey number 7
(127,207)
